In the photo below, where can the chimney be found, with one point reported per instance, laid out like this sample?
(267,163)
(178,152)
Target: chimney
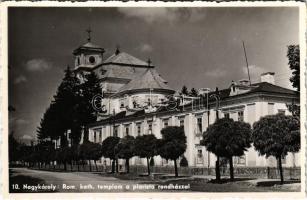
(244,82)
(268,77)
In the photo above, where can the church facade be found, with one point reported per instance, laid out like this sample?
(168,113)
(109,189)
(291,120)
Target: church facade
(135,100)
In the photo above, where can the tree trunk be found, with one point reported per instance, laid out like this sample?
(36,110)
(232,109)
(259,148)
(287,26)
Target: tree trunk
(148,167)
(176,170)
(78,165)
(65,165)
(127,165)
(113,166)
(116,167)
(83,164)
(231,169)
(90,165)
(71,166)
(96,166)
(280,170)
(217,169)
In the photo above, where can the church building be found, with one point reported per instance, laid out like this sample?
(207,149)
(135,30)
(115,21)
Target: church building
(135,100)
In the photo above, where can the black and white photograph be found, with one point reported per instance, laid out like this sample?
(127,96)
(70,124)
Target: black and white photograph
(155,99)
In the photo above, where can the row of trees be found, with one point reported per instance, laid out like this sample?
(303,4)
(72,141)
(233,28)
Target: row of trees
(171,146)
(71,108)
(272,135)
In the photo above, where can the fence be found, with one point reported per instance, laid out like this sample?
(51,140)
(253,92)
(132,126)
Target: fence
(251,172)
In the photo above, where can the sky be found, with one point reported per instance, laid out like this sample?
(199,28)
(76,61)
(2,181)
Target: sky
(196,47)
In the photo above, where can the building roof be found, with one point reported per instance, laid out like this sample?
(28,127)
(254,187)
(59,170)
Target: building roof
(124,59)
(88,46)
(150,79)
(262,87)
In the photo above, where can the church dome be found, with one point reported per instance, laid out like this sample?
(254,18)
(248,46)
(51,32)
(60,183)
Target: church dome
(149,80)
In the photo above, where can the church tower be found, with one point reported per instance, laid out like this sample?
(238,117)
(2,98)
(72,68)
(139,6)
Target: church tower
(87,56)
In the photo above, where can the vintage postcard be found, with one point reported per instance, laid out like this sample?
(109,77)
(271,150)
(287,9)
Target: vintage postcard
(139,99)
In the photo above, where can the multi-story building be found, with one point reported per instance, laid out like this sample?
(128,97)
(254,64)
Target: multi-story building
(136,102)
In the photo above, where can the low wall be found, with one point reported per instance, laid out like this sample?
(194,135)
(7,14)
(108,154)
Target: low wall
(251,172)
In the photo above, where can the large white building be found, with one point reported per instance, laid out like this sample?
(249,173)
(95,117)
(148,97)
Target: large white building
(135,103)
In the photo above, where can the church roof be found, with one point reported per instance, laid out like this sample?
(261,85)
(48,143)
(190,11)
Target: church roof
(88,46)
(124,59)
(150,79)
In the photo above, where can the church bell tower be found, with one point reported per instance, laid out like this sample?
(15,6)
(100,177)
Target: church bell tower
(88,55)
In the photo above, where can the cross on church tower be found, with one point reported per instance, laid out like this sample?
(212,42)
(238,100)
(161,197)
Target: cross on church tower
(149,62)
(89,31)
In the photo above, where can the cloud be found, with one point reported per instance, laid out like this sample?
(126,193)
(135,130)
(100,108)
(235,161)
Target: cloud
(216,73)
(20,79)
(255,71)
(146,48)
(21,121)
(26,137)
(150,15)
(38,65)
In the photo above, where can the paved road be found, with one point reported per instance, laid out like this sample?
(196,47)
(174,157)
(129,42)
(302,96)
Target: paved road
(73,181)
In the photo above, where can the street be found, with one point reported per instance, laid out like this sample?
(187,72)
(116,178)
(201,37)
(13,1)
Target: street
(29,180)
(71,181)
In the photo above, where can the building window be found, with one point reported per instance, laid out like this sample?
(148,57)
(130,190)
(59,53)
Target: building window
(115,131)
(127,129)
(199,157)
(281,111)
(241,116)
(284,161)
(92,59)
(226,115)
(199,125)
(78,61)
(240,160)
(138,127)
(100,136)
(165,123)
(94,136)
(270,108)
(181,122)
(150,128)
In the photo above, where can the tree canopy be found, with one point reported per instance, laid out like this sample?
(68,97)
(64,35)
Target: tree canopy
(276,135)
(145,147)
(293,55)
(126,149)
(173,144)
(227,138)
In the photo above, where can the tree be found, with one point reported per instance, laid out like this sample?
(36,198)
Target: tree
(85,111)
(173,144)
(294,64)
(90,151)
(60,116)
(152,162)
(194,92)
(145,147)
(108,150)
(125,149)
(13,148)
(227,138)
(276,135)
(184,91)
(94,152)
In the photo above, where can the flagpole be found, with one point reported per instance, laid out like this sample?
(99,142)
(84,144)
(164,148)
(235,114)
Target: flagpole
(249,78)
